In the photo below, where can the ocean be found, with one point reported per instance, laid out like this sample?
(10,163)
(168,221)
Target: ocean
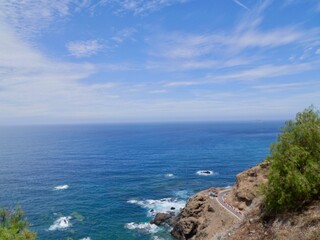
(106,181)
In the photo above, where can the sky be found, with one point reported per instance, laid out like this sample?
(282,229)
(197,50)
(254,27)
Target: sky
(105,61)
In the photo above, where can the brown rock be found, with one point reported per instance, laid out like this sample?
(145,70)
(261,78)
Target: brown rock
(161,218)
(186,228)
(246,190)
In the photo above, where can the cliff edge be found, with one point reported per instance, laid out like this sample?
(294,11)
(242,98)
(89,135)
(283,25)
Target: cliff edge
(237,214)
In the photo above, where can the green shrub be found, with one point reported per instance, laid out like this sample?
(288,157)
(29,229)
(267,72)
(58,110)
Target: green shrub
(13,227)
(294,177)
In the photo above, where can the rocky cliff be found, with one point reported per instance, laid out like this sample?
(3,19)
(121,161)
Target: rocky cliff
(204,217)
(248,187)
(201,217)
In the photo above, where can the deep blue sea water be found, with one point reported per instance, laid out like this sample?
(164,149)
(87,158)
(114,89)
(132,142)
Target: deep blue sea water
(117,173)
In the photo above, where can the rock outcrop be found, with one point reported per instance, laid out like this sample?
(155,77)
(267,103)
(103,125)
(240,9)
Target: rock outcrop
(201,216)
(204,218)
(247,187)
(161,218)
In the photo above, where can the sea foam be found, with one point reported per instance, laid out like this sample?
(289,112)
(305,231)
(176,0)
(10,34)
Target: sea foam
(61,187)
(160,206)
(157,238)
(169,175)
(143,227)
(206,173)
(60,224)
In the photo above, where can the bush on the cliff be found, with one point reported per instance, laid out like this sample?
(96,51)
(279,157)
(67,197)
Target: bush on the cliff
(12,226)
(294,177)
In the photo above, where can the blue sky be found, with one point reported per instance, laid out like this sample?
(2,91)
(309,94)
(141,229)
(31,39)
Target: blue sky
(85,61)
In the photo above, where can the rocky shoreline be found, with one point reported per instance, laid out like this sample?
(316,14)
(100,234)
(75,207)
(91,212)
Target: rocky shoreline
(204,218)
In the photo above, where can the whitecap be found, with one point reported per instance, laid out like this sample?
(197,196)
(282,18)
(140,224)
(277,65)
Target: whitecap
(86,238)
(143,227)
(61,187)
(206,172)
(157,238)
(60,223)
(160,206)
(169,175)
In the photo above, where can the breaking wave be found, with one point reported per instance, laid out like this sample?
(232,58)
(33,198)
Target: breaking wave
(159,206)
(61,187)
(143,227)
(206,173)
(60,224)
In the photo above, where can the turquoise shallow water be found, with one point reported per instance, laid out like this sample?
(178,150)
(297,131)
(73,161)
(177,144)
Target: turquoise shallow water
(115,174)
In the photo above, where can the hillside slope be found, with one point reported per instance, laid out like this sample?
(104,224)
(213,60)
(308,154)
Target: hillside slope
(203,218)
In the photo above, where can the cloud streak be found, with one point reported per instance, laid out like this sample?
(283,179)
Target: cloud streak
(84,48)
(240,4)
(30,17)
(137,7)
(237,72)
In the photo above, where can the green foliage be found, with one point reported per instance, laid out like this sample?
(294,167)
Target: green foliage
(294,177)
(13,227)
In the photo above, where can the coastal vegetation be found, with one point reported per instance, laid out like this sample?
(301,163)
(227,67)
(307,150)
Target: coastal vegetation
(13,226)
(294,176)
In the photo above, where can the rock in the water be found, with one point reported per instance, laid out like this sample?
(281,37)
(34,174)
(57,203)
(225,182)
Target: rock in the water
(161,218)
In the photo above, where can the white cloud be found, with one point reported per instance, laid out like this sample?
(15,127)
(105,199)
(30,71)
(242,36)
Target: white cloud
(137,7)
(247,43)
(124,34)
(179,84)
(247,75)
(159,91)
(267,71)
(317,51)
(84,48)
(141,6)
(182,65)
(285,86)
(34,86)
(190,46)
(30,17)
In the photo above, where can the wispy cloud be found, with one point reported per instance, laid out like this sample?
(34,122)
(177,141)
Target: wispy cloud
(189,46)
(286,86)
(35,86)
(143,6)
(84,48)
(137,7)
(124,34)
(30,17)
(248,75)
(240,4)
(159,91)
(187,74)
(247,42)
(181,83)
(268,71)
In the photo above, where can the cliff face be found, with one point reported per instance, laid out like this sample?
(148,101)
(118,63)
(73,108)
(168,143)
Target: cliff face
(246,195)
(247,188)
(204,218)
(201,217)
